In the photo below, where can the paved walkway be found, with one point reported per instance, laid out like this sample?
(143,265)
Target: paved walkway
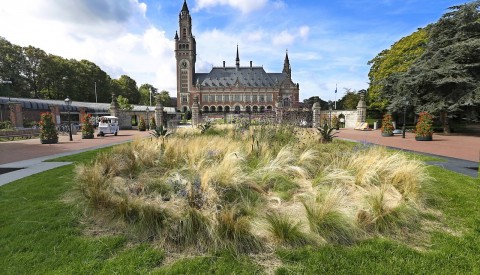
(461,153)
(30,154)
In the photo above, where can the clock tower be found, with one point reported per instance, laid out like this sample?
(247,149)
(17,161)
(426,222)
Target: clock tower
(185,54)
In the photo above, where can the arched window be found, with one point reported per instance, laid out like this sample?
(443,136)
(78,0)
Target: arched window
(248,109)
(227,109)
(212,109)
(269,108)
(220,108)
(286,102)
(255,109)
(262,109)
(237,109)
(205,109)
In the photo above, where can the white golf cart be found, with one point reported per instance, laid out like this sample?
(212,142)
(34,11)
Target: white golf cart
(107,125)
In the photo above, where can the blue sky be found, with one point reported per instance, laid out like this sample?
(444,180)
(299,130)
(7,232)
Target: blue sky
(329,42)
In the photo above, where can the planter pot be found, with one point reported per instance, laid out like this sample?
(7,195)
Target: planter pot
(49,141)
(427,138)
(387,134)
(87,136)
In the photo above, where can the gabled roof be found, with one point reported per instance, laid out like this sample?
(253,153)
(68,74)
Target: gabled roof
(243,76)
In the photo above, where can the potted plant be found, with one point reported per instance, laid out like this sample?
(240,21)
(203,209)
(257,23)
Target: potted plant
(424,128)
(387,126)
(142,126)
(87,127)
(48,132)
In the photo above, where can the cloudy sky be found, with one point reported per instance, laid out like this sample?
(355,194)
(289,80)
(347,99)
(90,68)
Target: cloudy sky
(329,41)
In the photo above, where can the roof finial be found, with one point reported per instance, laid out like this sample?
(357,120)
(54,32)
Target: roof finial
(237,63)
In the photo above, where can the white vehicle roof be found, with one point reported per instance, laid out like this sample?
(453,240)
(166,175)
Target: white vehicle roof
(109,117)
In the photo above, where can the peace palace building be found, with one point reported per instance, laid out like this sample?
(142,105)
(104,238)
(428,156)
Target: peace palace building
(228,89)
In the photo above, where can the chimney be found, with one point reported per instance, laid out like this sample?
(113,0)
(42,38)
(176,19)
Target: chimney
(251,64)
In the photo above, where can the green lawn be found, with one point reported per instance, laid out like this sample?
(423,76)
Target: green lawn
(42,231)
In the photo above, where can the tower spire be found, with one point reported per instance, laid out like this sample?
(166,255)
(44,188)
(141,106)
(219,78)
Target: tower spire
(286,65)
(185,7)
(237,61)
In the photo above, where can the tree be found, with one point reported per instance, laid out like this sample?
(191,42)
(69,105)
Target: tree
(165,98)
(399,58)
(145,90)
(127,87)
(124,104)
(34,59)
(349,101)
(445,80)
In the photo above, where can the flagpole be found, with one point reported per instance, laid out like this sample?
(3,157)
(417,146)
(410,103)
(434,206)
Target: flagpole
(335,96)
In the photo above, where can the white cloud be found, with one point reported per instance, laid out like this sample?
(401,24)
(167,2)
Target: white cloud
(285,37)
(245,6)
(113,34)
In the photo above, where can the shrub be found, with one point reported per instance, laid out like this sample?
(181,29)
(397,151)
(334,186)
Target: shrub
(326,133)
(47,127)
(424,126)
(87,126)
(153,123)
(387,124)
(142,126)
(7,124)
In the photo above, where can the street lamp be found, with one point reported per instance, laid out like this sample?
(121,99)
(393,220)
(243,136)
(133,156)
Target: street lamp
(7,82)
(330,114)
(404,116)
(148,121)
(69,102)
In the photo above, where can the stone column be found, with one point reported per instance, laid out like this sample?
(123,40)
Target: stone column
(114,108)
(159,112)
(362,109)
(16,114)
(195,112)
(316,115)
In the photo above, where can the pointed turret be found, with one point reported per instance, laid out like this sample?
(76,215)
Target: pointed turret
(237,61)
(176,35)
(185,7)
(286,65)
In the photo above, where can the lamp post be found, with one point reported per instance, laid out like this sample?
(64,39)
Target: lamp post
(330,115)
(7,82)
(69,102)
(148,121)
(404,116)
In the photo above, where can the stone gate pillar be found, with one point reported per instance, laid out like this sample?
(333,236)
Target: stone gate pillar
(16,114)
(316,114)
(114,108)
(362,109)
(159,112)
(195,112)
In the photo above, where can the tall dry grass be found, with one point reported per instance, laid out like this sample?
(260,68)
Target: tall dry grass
(240,191)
